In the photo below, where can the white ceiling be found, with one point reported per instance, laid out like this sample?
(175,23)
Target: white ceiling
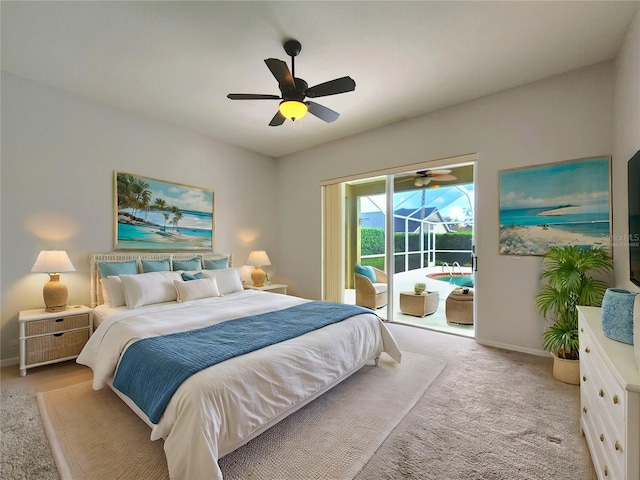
(176,61)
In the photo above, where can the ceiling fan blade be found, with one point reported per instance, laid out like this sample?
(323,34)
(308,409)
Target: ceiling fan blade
(445,178)
(438,172)
(280,70)
(323,113)
(332,87)
(277,120)
(252,96)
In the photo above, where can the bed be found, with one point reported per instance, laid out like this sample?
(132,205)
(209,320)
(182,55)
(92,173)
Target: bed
(220,407)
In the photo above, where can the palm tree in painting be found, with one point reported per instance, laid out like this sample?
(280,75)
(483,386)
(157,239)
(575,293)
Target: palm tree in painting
(140,195)
(161,205)
(177,216)
(123,187)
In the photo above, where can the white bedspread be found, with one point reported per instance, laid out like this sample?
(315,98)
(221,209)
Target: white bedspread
(222,407)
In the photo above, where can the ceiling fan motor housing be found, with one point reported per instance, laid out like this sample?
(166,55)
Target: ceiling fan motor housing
(297,93)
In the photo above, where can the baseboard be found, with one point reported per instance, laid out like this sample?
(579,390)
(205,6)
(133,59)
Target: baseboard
(7,362)
(517,348)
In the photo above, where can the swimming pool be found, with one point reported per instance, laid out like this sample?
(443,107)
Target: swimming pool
(456,279)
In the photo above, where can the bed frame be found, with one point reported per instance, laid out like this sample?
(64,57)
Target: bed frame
(96,297)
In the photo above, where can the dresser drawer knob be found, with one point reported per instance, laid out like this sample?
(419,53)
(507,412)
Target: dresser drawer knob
(617,445)
(587,350)
(584,378)
(615,399)
(601,393)
(606,471)
(584,409)
(602,437)
(582,330)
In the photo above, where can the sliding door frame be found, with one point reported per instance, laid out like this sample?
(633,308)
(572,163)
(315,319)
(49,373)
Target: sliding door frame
(333,224)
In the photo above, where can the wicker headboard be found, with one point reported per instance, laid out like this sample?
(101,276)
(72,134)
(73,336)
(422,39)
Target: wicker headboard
(96,299)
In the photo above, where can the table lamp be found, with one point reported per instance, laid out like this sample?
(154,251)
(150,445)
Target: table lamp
(55,292)
(257,259)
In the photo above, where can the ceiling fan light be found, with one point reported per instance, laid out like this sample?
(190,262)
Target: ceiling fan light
(293,109)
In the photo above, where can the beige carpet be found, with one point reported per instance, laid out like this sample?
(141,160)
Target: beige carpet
(93,435)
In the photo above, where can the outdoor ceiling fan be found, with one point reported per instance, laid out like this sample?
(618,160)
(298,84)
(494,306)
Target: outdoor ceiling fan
(294,90)
(424,177)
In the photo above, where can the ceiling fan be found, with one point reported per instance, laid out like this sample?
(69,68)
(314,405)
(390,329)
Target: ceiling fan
(294,90)
(424,177)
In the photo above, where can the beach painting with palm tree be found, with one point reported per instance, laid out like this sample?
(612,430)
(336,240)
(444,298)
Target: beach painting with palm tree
(156,215)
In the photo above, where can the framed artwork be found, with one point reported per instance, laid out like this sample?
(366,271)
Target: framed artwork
(156,215)
(556,204)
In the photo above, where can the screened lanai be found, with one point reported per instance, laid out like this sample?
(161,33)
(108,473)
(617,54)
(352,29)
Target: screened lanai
(432,234)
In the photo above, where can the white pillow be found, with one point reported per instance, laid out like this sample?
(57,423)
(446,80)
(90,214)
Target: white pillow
(149,288)
(195,289)
(228,279)
(112,291)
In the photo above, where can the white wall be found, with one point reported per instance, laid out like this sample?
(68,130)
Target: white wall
(59,153)
(564,117)
(626,142)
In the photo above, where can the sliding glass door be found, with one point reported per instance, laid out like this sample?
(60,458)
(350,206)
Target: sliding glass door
(405,227)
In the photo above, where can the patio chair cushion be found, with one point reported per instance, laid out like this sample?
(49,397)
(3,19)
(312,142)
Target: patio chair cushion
(367,271)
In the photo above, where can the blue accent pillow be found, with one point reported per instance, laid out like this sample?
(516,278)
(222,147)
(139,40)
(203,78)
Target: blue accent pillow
(156,265)
(113,269)
(192,264)
(192,276)
(216,264)
(367,271)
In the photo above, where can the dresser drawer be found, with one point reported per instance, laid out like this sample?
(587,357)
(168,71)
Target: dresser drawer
(54,325)
(611,394)
(610,432)
(608,463)
(58,345)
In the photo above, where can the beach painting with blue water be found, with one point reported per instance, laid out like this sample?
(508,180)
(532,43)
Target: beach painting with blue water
(557,204)
(156,215)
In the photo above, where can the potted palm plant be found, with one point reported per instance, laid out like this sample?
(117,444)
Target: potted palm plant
(566,271)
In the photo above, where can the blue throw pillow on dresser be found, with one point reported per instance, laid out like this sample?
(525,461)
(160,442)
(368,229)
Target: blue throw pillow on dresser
(617,314)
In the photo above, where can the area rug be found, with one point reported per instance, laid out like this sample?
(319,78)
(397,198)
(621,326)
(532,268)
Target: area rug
(94,435)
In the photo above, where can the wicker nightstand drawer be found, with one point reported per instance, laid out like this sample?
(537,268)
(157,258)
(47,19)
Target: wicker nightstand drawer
(49,337)
(54,325)
(56,346)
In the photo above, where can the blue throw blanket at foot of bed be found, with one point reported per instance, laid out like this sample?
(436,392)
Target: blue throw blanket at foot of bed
(152,369)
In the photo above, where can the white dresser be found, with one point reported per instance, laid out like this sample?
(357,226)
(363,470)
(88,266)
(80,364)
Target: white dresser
(610,400)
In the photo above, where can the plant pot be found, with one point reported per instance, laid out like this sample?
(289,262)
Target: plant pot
(566,371)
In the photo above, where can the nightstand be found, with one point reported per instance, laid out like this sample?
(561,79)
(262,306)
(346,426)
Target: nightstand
(49,337)
(273,288)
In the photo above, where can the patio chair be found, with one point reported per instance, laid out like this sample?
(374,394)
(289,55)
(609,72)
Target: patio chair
(369,293)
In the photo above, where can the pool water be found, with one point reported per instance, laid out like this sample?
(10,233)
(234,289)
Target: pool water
(460,280)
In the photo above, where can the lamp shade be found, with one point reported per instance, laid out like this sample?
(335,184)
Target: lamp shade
(293,109)
(258,258)
(53,261)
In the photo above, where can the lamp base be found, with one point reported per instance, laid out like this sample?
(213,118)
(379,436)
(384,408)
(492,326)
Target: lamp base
(258,277)
(55,294)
